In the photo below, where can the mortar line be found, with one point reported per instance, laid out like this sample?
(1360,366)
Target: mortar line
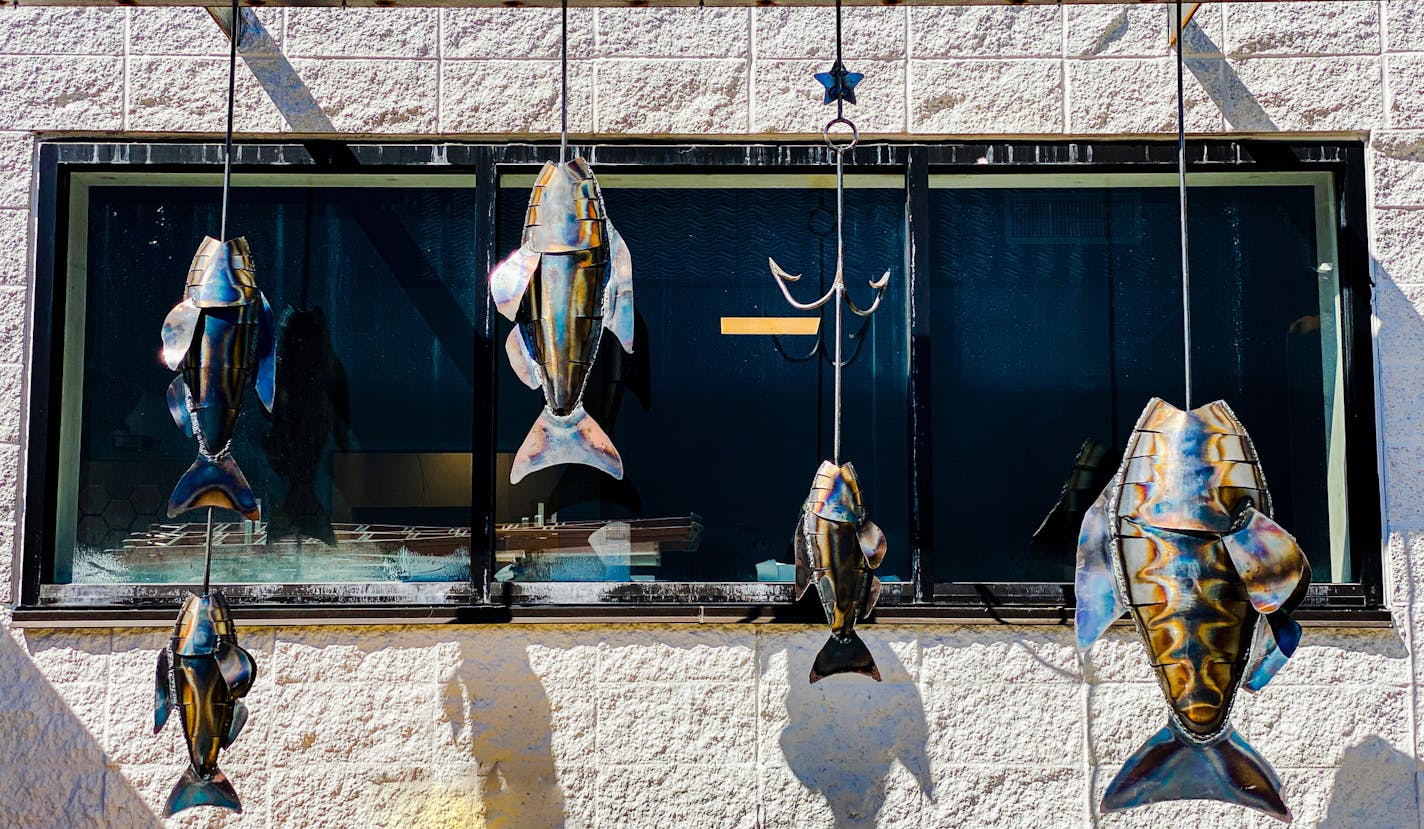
(756,729)
(1063,67)
(439,71)
(751,88)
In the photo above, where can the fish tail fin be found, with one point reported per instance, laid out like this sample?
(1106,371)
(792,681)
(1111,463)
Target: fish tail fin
(572,438)
(1169,767)
(192,790)
(844,655)
(214,483)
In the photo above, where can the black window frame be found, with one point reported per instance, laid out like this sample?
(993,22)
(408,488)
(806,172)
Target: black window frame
(920,599)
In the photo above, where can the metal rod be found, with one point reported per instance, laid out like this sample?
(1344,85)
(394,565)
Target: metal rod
(839,285)
(840,103)
(208,554)
(227,144)
(1182,216)
(564,82)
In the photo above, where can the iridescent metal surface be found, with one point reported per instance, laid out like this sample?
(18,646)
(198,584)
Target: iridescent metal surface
(836,550)
(220,340)
(203,674)
(570,279)
(1182,538)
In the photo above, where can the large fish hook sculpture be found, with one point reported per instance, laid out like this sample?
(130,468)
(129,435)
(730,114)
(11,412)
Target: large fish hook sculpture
(571,278)
(1182,538)
(220,338)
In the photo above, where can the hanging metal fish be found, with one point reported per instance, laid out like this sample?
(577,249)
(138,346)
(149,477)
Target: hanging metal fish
(571,278)
(836,550)
(1183,538)
(220,339)
(204,674)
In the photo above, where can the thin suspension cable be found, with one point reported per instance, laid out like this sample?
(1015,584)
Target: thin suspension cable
(231,95)
(840,291)
(1182,208)
(564,82)
(840,102)
(208,554)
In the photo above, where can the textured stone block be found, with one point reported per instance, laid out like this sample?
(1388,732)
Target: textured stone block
(10,471)
(189,31)
(1399,170)
(8,567)
(1007,796)
(14,246)
(373,96)
(362,33)
(1398,237)
(810,33)
(1299,28)
(1315,726)
(1117,31)
(16,168)
(70,655)
(976,724)
(1121,718)
(661,794)
(1118,656)
(643,33)
(842,790)
(997,656)
(40,31)
(48,794)
(985,31)
(1400,329)
(12,325)
(376,796)
(1403,26)
(712,722)
(1404,468)
(77,93)
(1139,95)
(1404,75)
(1303,94)
(671,97)
(528,99)
(369,656)
(975,97)
(1403,558)
(1402,397)
(352,723)
(514,34)
(786,98)
(717,653)
(186,94)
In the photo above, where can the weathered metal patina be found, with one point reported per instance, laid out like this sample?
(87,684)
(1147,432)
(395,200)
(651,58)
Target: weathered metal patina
(571,278)
(1183,538)
(220,339)
(837,547)
(203,674)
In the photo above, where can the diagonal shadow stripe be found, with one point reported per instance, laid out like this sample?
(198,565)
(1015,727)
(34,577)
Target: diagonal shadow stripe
(275,73)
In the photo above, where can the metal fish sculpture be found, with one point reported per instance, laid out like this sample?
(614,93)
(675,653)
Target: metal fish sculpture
(203,674)
(1183,538)
(571,278)
(220,339)
(311,409)
(836,550)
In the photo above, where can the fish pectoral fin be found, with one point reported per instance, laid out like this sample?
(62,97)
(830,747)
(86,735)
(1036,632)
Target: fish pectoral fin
(804,566)
(237,667)
(266,380)
(1099,598)
(516,348)
(618,297)
(178,405)
(510,279)
(234,728)
(1169,768)
(1269,561)
(161,703)
(179,327)
(1275,641)
(872,597)
(872,544)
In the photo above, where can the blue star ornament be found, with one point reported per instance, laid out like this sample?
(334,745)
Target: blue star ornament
(839,83)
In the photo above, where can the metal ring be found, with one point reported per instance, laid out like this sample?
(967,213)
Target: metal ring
(854,134)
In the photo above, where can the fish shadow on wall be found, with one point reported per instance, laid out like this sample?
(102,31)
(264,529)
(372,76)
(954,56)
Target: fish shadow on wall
(54,772)
(1373,786)
(502,718)
(845,734)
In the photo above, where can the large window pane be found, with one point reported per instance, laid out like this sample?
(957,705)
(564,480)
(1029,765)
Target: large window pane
(720,433)
(1057,315)
(375,281)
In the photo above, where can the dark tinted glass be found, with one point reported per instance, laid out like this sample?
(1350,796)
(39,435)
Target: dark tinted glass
(720,434)
(1058,315)
(375,290)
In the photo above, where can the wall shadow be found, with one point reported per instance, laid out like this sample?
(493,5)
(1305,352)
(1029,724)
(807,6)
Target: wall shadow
(1374,786)
(1205,60)
(52,770)
(502,717)
(845,733)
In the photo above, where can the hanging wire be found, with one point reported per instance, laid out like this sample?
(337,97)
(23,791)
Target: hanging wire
(1182,208)
(564,82)
(840,102)
(231,95)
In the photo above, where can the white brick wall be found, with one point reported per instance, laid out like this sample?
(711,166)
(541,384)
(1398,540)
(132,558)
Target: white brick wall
(715,726)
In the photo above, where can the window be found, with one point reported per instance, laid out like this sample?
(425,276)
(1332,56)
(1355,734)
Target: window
(1033,305)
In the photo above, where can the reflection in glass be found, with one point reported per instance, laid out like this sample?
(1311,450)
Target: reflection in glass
(364,468)
(721,407)
(1057,315)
